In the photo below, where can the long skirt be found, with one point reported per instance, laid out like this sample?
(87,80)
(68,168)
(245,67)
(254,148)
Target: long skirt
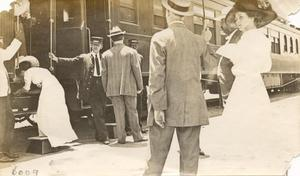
(52,116)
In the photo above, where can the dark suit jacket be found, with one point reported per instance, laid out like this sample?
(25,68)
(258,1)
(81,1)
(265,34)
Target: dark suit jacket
(85,73)
(121,73)
(225,74)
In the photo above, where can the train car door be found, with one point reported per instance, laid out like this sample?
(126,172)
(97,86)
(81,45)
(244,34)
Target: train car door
(71,40)
(98,19)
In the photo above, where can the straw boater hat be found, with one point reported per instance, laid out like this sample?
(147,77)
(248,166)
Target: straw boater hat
(179,7)
(31,59)
(116,31)
(263,7)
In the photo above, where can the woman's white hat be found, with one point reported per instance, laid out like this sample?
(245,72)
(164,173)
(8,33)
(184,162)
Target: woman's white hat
(31,59)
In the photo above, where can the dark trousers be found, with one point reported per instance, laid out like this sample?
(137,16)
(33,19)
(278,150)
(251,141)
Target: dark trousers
(126,104)
(97,101)
(160,142)
(7,122)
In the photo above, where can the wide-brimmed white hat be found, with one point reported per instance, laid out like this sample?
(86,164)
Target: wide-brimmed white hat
(31,59)
(116,30)
(179,7)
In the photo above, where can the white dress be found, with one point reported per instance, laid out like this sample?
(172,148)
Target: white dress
(248,104)
(52,114)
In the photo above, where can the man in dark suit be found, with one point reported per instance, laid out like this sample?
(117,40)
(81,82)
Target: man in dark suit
(176,100)
(225,74)
(90,88)
(122,80)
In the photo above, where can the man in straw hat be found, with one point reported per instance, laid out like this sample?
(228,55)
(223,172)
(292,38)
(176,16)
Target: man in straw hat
(6,116)
(122,81)
(90,88)
(175,93)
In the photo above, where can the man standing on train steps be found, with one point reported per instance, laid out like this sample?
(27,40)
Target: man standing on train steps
(175,93)
(122,81)
(90,88)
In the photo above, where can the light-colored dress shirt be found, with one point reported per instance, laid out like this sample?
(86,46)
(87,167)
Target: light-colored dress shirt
(95,67)
(7,54)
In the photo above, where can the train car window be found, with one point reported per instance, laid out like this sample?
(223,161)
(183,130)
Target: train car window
(291,46)
(68,13)
(275,45)
(128,11)
(275,41)
(297,47)
(285,43)
(159,19)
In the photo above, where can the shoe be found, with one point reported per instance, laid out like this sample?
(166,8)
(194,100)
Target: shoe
(141,140)
(203,155)
(144,131)
(5,159)
(12,155)
(128,133)
(106,142)
(121,142)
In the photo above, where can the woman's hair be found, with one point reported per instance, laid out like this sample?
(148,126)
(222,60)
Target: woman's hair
(258,16)
(23,66)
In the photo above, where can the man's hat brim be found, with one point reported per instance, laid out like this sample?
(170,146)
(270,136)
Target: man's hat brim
(117,33)
(168,7)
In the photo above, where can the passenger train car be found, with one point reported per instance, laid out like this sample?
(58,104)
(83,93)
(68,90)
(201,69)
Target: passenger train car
(65,27)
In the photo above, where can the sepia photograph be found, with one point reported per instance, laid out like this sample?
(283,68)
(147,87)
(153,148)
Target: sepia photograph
(149,88)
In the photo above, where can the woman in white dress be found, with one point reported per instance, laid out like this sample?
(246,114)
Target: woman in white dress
(248,104)
(52,115)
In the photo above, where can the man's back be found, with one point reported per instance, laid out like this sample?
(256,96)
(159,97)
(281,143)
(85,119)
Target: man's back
(122,71)
(180,50)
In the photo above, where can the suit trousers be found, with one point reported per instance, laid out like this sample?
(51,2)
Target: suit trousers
(160,142)
(126,104)
(97,101)
(7,122)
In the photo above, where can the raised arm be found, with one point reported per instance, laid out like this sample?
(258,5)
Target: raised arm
(10,51)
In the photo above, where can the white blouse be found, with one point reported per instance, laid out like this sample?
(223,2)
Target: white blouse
(38,76)
(251,55)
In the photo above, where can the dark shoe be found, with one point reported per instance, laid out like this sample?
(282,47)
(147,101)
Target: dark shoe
(12,155)
(5,159)
(121,142)
(128,133)
(144,131)
(203,155)
(106,142)
(141,140)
